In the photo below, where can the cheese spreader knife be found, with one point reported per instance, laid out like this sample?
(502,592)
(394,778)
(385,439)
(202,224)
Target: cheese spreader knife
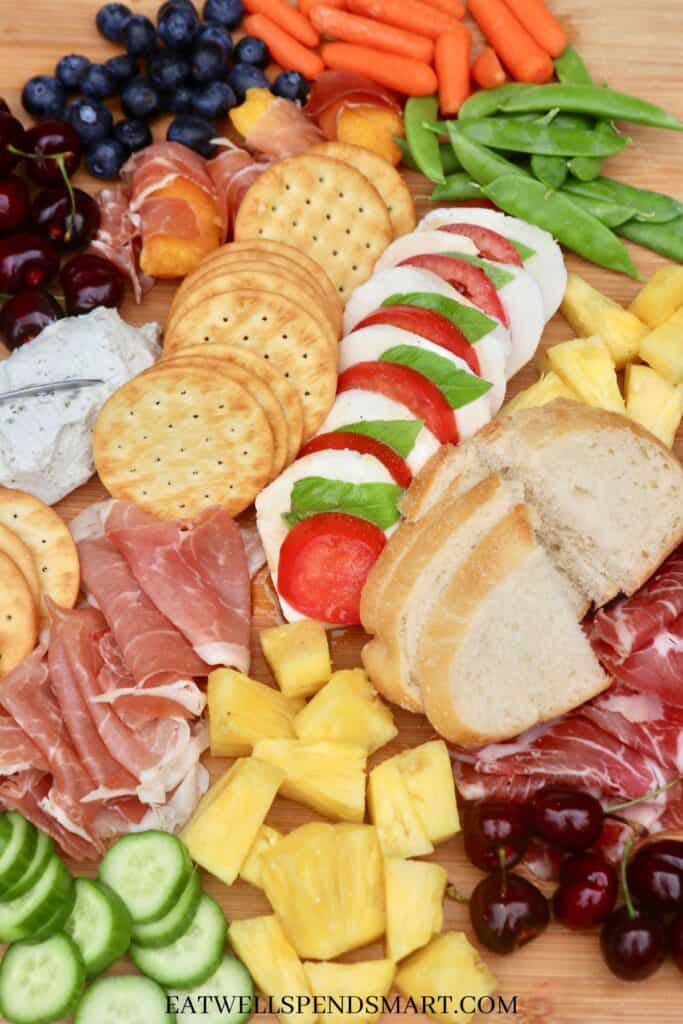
(31,390)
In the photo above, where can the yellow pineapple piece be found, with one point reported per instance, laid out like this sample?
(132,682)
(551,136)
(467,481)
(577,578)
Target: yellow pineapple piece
(590,312)
(653,402)
(414,892)
(242,711)
(328,777)
(546,389)
(325,884)
(223,828)
(298,655)
(366,980)
(661,296)
(428,776)
(449,965)
(266,837)
(273,963)
(585,364)
(663,348)
(399,827)
(347,709)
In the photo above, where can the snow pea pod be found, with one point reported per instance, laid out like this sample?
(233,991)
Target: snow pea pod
(457,187)
(482,164)
(424,145)
(488,101)
(650,207)
(449,161)
(570,68)
(555,212)
(588,99)
(610,214)
(546,140)
(551,170)
(666,239)
(585,168)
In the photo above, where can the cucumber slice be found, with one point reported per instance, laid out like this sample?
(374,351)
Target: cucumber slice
(169,928)
(125,999)
(99,924)
(149,871)
(18,851)
(59,918)
(44,848)
(40,981)
(23,917)
(192,958)
(5,831)
(228,996)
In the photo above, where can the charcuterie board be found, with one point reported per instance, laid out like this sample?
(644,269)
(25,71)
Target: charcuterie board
(560,979)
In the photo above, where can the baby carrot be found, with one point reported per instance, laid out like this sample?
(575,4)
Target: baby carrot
(522,56)
(351,28)
(452,65)
(287,51)
(404,74)
(286,18)
(487,71)
(541,24)
(412,15)
(453,7)
(306,6)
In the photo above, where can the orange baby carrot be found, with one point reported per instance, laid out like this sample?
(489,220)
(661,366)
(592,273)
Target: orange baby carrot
(306,6)
(487,71)
(452,65)
(286,18)
(521,55)
(404,74)
(351,28)
(454,7)
(412,15)
(541,24)
(287,51)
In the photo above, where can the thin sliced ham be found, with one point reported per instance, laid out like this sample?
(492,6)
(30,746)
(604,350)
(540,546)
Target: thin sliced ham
(27,792)
(283,130)
(118,237)
(641,721)
(332,86)
(233,172)
(163,215)
(18,752)
(161,163)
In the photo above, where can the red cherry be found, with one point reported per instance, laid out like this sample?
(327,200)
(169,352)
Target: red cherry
(496,835)
(89,281)
(587,891)
(50,138)
(11,134)
(633,945)
(568,818)
(27,260)
(676,941)
(51,213)
(25,315)
(655,875)
(15,202)
(507,911)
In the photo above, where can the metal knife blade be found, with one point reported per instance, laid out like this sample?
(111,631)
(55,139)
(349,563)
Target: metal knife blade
(32,390)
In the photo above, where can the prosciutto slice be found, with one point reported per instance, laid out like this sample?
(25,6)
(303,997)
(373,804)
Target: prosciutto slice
(283,130)
(233,172)
(332,86)
(27,792)
(641,721)
(163,215)
(161,163)
(118,237)
(17,750)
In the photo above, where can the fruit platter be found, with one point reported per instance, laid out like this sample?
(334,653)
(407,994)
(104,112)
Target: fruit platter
(341,518)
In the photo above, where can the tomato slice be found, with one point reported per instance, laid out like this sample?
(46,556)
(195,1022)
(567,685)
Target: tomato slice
(491,245)
(405,385)
(348,439)
(428,325)
(324,563)
(468,279)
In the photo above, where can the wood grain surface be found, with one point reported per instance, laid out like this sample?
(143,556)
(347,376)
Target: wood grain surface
(635,47)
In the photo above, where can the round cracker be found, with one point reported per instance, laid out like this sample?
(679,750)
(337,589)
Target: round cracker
(325,207)
(12,545)
(383,176)
(19,621)
(181,441)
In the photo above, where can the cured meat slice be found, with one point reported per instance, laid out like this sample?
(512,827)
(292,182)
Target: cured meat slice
(118,237)
(233,172)
(656,668)
(283,130)
(161,163)
(333,86)
(641,721)
(26,792)
(164,215)
(18,752)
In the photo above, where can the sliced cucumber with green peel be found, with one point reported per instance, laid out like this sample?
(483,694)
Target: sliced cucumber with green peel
(23,917)
(58,920)
(169,928)
(192,958)
(228,996)
(149,871)
(125,999)
(5,831)
(41,981)
(45,847)
(99,924)
(17,851)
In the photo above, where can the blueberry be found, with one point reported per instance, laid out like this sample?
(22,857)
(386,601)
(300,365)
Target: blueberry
(251,50)
(178,26)
(224,12)
(111,20)
(213,101)
(43,96)
(168,70)
(210,33)
(181,100)
(106,158)
(133,134)
(90,120)
(165,7)
(245,76)
(194,132)
(140,99)
(98,83)
(291,85)
(123,67)
(207,62)
(139,36)
(70,69)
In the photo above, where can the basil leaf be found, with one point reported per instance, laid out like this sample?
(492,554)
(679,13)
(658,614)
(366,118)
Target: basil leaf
(400,435)
(524,251)
(458,387)
(376,502)
(494,271)
(472,322)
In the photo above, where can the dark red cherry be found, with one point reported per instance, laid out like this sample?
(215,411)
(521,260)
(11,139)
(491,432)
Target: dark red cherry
(633,947)
(15,202)
(676,941)
(27,260)
(51,213)
(655,875)
(4,107)
(587,892)
(89,281)
(51,138)
(568,818)
(11,134)
(496,835)
(507,911)
(25,314)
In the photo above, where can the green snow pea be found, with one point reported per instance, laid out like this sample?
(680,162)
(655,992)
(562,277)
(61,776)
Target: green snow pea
(457,187)
(585,168)
(551,170)
(449,161)
(666,239)
(424,145)
(482,164)
(546,140)
(570,68)
(650,207)
(610,214)
(488,101)
(587,99)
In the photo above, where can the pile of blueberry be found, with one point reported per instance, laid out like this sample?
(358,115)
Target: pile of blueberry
(186,65)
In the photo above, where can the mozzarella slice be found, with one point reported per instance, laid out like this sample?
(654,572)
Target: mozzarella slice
(419,243)
(522,300)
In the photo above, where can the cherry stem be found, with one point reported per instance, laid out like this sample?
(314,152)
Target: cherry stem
(623,879)
(639,829)
(60,159)
(503,861)
(647,796)
(457,897)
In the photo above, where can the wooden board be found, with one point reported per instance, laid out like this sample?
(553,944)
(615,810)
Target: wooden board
(560,978)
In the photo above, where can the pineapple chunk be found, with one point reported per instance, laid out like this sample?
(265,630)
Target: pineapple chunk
(661,296)
(326,886)
(586,365)
(223,828)
(370,979)
(272,961)
(428,776)
(298,656)
(266,838)
(449,965)
(242,711)
(392,811)
(414,892)
(591,312)
(328,777)
(663,349)
(349,710)
(546,389)
(653,402)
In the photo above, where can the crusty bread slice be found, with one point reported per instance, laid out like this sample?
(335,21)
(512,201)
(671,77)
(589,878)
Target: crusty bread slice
(502,650)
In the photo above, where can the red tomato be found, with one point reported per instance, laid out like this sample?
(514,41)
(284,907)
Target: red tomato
(491,245)
(429,325)
(405,385)
(341,439)
(470,280)
(324,563)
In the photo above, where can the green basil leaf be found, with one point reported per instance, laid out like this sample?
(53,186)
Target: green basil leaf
(472,322)
(400,435)
(495,272)
(458,387)
(376,502)
(524,250)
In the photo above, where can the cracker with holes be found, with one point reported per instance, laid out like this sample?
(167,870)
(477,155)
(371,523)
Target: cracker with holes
(324,207)
(180,441)
(19,620)
(13,546)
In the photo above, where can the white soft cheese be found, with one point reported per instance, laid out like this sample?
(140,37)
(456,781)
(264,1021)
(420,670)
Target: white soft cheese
(46,441)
